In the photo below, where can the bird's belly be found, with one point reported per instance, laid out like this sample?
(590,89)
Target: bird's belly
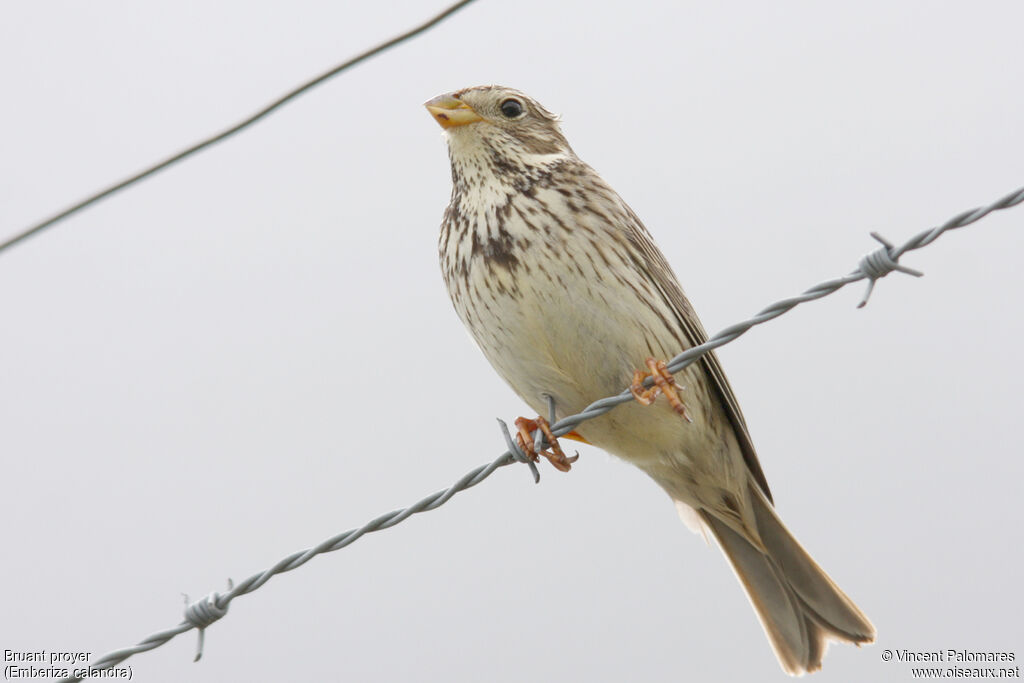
(574,336)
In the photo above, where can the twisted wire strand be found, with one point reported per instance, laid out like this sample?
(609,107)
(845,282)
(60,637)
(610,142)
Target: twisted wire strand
(201,614)
(228,132)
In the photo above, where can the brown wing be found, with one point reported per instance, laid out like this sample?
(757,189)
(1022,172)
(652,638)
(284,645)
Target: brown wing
(662,276)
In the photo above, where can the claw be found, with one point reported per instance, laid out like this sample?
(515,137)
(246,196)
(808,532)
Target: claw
(558,459)
(664,383)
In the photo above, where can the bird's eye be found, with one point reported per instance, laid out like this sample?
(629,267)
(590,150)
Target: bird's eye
(511,108)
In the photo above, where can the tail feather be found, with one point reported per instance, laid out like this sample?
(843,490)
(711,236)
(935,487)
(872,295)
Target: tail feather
(799,606)
(831,608)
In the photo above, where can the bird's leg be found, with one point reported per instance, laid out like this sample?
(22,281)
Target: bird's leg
(526,440)
(664,383)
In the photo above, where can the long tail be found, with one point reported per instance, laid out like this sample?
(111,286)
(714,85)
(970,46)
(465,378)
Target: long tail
(798,604)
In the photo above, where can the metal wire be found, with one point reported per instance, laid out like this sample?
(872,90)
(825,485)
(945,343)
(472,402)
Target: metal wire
(876,265)
(228,132)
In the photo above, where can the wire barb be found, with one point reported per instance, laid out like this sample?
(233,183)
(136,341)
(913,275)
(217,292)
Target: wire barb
(880,263)
(204,612)
(517,452)
(551,407)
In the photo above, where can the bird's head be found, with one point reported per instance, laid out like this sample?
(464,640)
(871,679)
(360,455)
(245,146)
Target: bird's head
(498,120)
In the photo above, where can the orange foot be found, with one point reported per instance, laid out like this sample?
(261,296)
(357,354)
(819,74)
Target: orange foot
(555,455)
(664,383)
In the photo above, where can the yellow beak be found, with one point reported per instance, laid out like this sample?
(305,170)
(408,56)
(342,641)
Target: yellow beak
(449,111)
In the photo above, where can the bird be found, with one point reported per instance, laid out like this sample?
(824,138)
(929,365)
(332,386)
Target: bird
(569,299)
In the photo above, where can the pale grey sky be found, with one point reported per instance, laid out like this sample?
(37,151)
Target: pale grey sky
(254,351)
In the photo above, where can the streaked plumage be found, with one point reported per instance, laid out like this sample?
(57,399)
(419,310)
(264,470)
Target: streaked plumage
(566,294)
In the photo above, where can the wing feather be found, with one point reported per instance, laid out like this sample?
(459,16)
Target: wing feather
(662,276)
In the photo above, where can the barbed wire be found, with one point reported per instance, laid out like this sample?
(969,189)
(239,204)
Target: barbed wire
(228,132)
(879,263)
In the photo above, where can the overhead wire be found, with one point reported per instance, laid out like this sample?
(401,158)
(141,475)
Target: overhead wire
(231,130)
